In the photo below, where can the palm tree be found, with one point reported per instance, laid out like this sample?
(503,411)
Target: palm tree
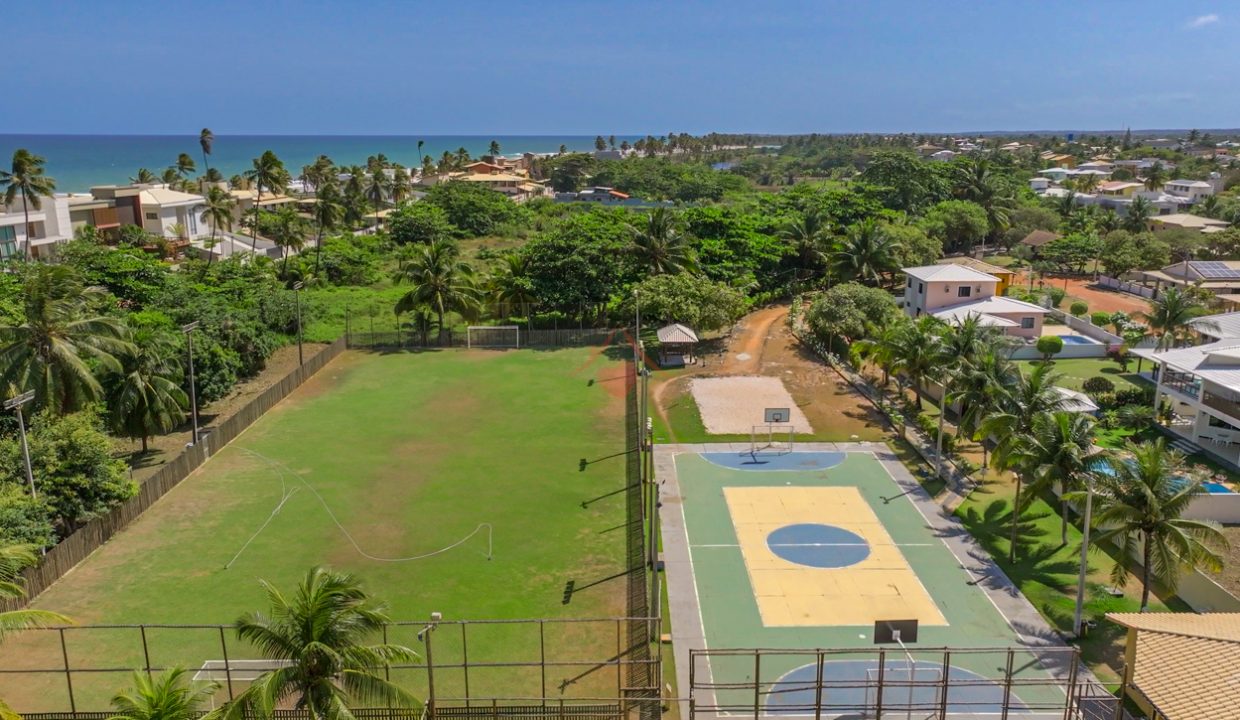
(287,229)
(328,213)
(149,398)
(378,187)
(206,140)
(462,157)
(510,285)
(26,176)
(213,175)
(977,387)
(1138,215)
(59,332)
(659,245)
(1012,424)
(866,253)
(400,187)
(13,559)
(494,148)
(916,352)
(169,176)
(960,345)
(217,212)
(441,280)
(171,695)
(267,171)
(1141,501)
(1155,176)
(1064,454)
(184,165)
(976,181)
(810,238)
(1171,315)
(144,177)
(316,636)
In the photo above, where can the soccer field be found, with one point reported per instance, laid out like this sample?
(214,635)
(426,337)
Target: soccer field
(378,458)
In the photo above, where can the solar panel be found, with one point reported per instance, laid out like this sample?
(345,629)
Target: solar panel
(1215,269)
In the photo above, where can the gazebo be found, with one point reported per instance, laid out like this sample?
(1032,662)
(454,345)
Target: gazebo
(677,345)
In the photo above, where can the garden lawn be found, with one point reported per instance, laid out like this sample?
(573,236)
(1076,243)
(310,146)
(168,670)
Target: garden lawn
(411,452)
(1076,371)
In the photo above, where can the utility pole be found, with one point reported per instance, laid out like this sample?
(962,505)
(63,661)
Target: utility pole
(16,403)
(297,286)
(189,329)
(1080,581)
(425,636)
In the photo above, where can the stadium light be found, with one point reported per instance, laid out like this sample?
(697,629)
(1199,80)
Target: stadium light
(189,329)
(297,286)
(16,403)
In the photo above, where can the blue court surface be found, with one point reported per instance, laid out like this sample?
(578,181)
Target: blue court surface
(771,461)
(844,688)
(818,546)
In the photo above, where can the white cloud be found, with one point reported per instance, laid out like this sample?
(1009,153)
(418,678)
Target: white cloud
(1201,21)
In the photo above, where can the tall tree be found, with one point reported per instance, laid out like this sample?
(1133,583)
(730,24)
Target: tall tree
(287,229)
(917,350)
(659,245)
(217,211)
(494,148)
(184,166)
(206,141)
(267,171)
(1170,316)
(26,176)
(439,280)
(1063,454)
(1141,504)
(328,214)
(1138,215)
(1155,176)
(378,187)
(48,351)
(317,635)
(149,399)
(866,253)
(13,559)
(809,237)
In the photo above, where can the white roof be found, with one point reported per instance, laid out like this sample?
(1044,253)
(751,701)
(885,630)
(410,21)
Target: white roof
(1190,183)
(676,333)
(949,273)
(1218,362)
(991,305)
(164,196)
(1223,325)
(1077,402)
(959,315)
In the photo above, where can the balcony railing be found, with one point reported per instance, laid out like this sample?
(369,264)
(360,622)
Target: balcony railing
(1222,403)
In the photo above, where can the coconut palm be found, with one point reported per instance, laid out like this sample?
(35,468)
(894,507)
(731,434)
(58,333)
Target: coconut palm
(1063,454)
(267,171)
(169,176)
(510,285)
(13,559)
(1139,212)
(976,388)
(809,236)
(1018,407)
(26,176)
(378,188)
(660,246)
(866,253)
(1171,315)
(184,166)
(977,181)
(59,332)
(960,345)
(217,211)
(400,188)
(213,175)
(149,398)
(916,352)
(1141,503)
(1155,176)
(171,695)
(494,148)
(287,229)
(316,635)
(440,280)
(328,213)
(206,141)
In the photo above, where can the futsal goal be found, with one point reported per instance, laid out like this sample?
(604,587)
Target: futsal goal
(493,336)
(776,438)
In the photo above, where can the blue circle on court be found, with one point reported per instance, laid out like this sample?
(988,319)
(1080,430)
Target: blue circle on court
(818,546)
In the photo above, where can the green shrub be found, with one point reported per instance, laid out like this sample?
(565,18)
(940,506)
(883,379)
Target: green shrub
(1078,308)
(1134,396)
(1057,294)
(1134,417)
(1097,385)
(1049,345)
(1099,318)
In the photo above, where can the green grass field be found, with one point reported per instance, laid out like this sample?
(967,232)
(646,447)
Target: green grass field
(411,452)
(1076,371)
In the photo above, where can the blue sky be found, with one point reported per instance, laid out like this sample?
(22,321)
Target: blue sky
(550,67)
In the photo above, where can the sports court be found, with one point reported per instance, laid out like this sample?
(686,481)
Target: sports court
(804,549)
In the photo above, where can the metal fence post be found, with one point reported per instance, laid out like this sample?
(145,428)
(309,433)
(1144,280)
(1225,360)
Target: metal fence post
(227,665)
(757,684)
(1007,684)
(818,688)
(542,658)
(64,653)
(882,671)
(146,650)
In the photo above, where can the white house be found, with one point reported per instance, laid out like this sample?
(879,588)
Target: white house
(1192,190)
(172,214)
(943,155)
(48,225)
(1039,184)
(954,292)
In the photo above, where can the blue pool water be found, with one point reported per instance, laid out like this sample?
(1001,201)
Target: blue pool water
(1177,483)
(1078,340)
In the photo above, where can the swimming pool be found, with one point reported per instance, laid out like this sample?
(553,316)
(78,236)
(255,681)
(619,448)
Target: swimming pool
(1210,487)
(1078,340)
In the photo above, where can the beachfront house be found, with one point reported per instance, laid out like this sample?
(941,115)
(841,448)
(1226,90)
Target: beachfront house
(173,214)
(42,228)
(952,292)
(1192,190)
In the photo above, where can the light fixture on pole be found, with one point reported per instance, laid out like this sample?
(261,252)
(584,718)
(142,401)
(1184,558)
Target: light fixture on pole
(16,403)
(297,286)
(1077,624)
(425,636)
(189,329)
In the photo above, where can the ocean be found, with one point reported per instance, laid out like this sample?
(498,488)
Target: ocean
(77,162)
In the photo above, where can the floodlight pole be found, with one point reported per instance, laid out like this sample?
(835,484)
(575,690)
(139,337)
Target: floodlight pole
(297,286)
(425,637)
(1080,580)
(638,298)
(16,403)
(189,329)
(912,669)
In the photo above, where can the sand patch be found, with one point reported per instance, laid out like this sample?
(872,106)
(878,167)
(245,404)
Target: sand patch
(733,405)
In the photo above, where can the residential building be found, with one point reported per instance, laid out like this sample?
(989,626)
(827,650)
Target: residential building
(1056,174)
(1193,190)
(953,292)
(1177,666)
(1039,184)
(1186,221)
(1218,276)
(1120,188)
(943,155)
(1036,239)
(172,214)
(245,200)
(48,225)
(1005,276)
(602,195)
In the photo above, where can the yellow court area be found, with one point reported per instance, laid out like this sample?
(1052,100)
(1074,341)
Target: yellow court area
(880,586)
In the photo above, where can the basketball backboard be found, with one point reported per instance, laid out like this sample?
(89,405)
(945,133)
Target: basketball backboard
(777,415)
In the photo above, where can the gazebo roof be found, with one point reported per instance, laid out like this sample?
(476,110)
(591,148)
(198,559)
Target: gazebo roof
(677,333)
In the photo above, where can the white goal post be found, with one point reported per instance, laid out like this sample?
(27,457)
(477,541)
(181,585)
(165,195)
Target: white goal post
(493,336)
(771,437)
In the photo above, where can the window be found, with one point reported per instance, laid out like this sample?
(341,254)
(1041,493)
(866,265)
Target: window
(964,291)
(921,288)
(910,283)
(8,242)
(1026,323)
(152,216)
